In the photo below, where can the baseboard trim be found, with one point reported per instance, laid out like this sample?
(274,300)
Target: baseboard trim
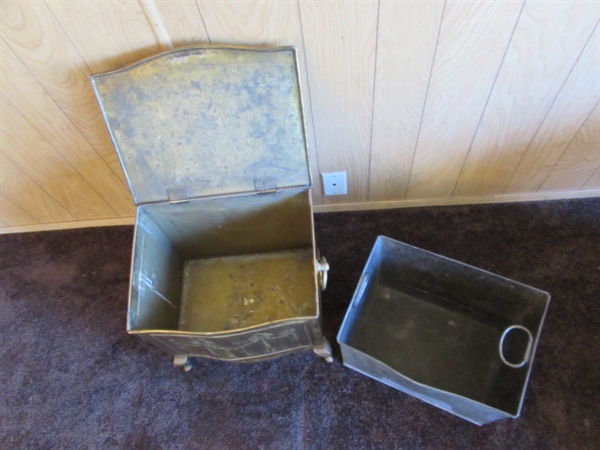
(363,206)
(68,225)
(505,198)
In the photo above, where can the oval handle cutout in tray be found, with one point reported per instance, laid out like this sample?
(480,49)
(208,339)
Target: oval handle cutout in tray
(528,349)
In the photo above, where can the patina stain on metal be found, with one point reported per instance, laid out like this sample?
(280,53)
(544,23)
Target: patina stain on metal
(203,122)
(232,292)
(212,142)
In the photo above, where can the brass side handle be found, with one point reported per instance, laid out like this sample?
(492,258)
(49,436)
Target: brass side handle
(323,269)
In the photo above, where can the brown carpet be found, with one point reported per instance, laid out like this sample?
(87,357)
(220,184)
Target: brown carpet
(71,378)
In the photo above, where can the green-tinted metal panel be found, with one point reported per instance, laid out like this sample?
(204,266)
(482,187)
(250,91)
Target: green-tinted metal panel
(207,121)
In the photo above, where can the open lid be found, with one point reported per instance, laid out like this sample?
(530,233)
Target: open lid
(207,121)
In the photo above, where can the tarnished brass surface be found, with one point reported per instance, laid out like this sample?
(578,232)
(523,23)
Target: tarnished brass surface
(200,261)
(236,225)
(204,121)
(249,345)
(221,294)
(212,142)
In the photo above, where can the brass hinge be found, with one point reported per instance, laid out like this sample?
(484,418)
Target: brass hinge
(265,185)
(178,194)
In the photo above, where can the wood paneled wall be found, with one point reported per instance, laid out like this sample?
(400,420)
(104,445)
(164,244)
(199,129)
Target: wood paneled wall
(430,102)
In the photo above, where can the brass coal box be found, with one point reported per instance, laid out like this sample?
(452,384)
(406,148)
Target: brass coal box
(212,142)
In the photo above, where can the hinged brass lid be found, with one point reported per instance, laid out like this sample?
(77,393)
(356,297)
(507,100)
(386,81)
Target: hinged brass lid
(207,121)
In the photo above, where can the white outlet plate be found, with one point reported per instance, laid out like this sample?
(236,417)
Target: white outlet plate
(334,183)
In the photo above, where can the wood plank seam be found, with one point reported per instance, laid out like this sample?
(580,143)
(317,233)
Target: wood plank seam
(548,112)
(89,71)
(424,102)
(403,70)
(65,160)
(203,22)
(594,174)
(35,183)
(6,199)
(81,134)
(568,145)
(341,69)
(308,90)
(373,102)
(485,106)
(80,72)
(545,44)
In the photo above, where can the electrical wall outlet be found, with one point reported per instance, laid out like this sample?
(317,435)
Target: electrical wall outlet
(334,183)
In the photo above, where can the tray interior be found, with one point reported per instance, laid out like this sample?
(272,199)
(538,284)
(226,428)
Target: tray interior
(440,322)
(430,340)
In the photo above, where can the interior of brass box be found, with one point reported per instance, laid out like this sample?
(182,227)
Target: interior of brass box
(439,322)
(224,264)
